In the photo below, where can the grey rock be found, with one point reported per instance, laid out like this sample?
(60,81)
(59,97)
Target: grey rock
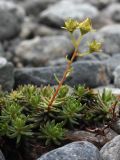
(7,75)
(38,51)
(11,17)
(91,73)
(1,156)
(77,150)
(116,74)
(110,151)
(113,12)
(56,14)
(111,37)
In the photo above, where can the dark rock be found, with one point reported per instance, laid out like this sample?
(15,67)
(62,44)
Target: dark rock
(56,14)
(6,75)
(38,51)
(91,73)
(77,150)
(110,151)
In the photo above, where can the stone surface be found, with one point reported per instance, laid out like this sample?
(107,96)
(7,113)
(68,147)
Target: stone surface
(11,17)
(56,14)
(111,39)
(74,151)
(1,156)
(38,51)
(110,151)
(6,75)
(117,77)
(91,73)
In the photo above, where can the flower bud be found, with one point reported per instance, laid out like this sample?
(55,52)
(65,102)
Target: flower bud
(95,46)
(85,26)
(71,25)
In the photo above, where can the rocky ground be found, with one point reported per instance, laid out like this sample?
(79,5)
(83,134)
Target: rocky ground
(33,47)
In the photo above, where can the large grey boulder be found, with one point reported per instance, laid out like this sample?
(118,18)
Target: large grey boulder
(11,17)
(111,37)
(111,150)
(91,73)
(56,15)
(6,74)
(38,51)
(74,151)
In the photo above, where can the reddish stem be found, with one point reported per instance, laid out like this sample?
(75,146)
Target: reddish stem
(62,80)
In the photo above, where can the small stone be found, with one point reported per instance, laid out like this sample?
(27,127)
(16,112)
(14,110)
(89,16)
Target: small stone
(74,151)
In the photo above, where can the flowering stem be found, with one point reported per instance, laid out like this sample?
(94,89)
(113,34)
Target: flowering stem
(63,79)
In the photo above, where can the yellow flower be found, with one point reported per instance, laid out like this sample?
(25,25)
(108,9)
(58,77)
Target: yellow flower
(71,25)
(95,46)
(85,26)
